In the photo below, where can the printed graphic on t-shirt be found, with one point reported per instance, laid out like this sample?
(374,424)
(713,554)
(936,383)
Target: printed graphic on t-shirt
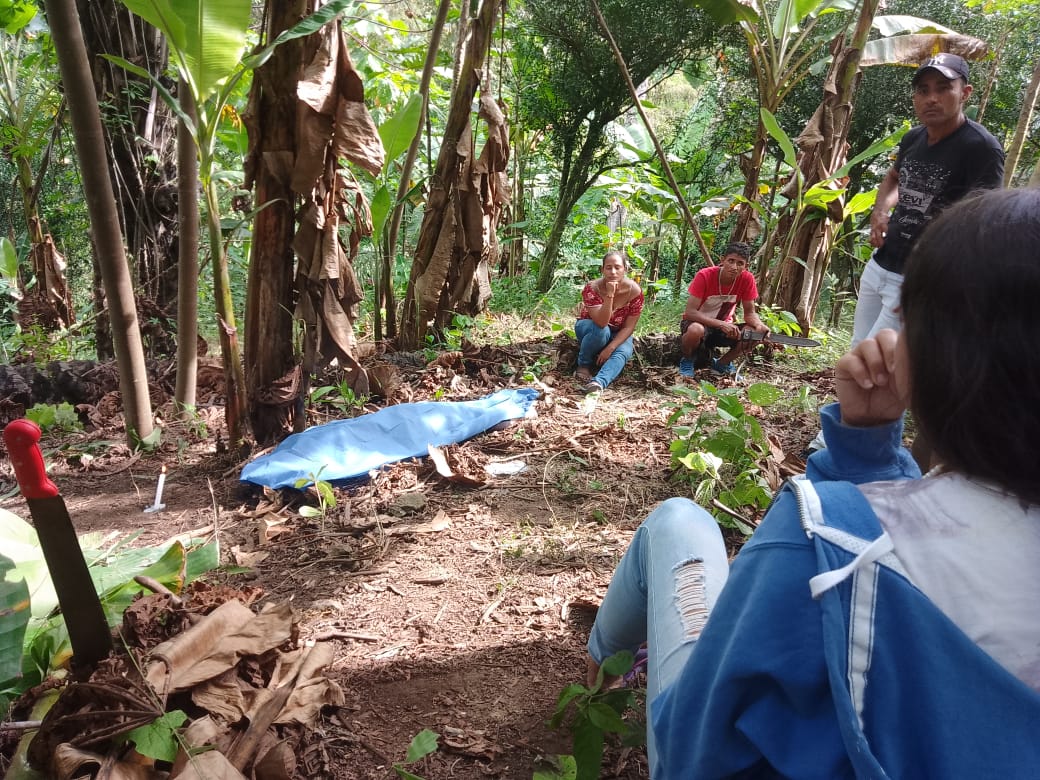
(919,185)
(719,306)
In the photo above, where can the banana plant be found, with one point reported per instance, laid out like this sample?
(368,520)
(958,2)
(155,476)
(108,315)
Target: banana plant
(207,40)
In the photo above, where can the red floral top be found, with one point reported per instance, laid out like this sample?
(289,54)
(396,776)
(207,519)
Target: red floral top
(590,298)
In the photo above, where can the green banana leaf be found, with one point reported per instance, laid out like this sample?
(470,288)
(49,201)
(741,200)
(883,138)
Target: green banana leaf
(398,131)
(14,617)
(33,639)
(208,37)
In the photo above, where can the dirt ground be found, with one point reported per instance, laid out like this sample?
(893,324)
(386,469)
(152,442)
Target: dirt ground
(459,605)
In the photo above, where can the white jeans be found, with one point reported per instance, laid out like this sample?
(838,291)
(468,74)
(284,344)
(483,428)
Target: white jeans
(878,303)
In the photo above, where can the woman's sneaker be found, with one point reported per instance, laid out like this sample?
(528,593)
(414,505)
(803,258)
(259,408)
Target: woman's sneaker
(686,366)
(723,369)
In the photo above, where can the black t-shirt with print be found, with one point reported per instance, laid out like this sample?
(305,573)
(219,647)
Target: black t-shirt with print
(933,177)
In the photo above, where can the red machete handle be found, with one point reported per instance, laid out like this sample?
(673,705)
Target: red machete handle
(23,446)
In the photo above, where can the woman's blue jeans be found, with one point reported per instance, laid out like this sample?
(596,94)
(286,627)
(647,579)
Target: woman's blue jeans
(661,593)
(591,341)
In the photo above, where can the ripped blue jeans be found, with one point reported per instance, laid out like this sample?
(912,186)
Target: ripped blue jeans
(662,592)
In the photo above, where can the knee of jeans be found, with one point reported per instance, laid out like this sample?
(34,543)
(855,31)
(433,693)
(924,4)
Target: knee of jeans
(675,514)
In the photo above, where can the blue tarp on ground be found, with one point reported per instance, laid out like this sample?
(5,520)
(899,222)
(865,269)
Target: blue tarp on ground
(352,448)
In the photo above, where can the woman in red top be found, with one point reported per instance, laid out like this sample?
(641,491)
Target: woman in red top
(610,309)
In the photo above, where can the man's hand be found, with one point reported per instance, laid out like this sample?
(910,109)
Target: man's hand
(865,380)
(729,330)
(878,227)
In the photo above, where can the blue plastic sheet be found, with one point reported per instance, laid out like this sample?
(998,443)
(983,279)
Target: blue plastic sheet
(351,448)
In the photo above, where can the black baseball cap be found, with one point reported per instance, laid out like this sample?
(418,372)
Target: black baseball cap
(952,66)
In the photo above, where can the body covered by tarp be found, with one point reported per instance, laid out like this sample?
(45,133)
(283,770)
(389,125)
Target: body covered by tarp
(351,448)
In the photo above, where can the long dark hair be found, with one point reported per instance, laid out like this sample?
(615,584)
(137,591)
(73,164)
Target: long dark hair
(972,333)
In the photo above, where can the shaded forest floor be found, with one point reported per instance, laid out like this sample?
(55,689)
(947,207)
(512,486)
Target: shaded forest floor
(459,605)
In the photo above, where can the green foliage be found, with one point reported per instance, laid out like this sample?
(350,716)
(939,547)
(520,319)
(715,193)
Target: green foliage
(779,321)
(536,369)
(44,643)
(159,739)
(326,496)
(14,617)
(51,417)
(719,452)
(340,396)
(592,713)
(563,768)
(423,743)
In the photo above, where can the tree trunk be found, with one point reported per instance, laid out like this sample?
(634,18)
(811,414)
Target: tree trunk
(272,366)
(823,149)
(513,251)
(386,295)
(575,179)
(430,287)
(748,227)
(680,262)
(187,263)
(104,219)
(996,60)
(141,143)
(1025,118)
(49,306)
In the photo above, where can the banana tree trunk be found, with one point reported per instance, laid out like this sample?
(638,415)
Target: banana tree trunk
(386,294)
(271,363)
(823,149)
(140,135)
(234,374)
(443,249)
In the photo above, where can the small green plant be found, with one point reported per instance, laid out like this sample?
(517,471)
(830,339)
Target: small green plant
(593,712)
(536,369)
(720,452)
(806,400)
(779,321)
(340,396)
(423,743)
(194,421)
(460,325)
(326,496)
(159,739)
(60,417)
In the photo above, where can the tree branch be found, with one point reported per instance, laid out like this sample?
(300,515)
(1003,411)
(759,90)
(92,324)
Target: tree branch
(650,130)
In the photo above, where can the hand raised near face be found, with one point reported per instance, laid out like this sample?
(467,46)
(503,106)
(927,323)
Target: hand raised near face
(867,384)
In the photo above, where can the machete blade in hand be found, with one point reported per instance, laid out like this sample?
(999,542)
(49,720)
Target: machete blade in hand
(778,338)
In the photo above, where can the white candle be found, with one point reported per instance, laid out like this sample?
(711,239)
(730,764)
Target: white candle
(159,486)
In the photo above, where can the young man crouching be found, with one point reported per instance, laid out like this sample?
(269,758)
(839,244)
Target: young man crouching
(708,320)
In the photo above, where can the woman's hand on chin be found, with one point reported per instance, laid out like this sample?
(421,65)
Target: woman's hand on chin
(866,382)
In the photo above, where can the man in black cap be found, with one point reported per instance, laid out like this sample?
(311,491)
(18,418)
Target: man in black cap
(938,163)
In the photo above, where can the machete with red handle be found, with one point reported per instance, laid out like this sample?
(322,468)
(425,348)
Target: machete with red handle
(84,617)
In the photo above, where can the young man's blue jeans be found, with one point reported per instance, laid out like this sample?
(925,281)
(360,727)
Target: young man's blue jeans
(662,592)
(591,341)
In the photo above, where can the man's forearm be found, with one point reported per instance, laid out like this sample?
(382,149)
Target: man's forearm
(702,319)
